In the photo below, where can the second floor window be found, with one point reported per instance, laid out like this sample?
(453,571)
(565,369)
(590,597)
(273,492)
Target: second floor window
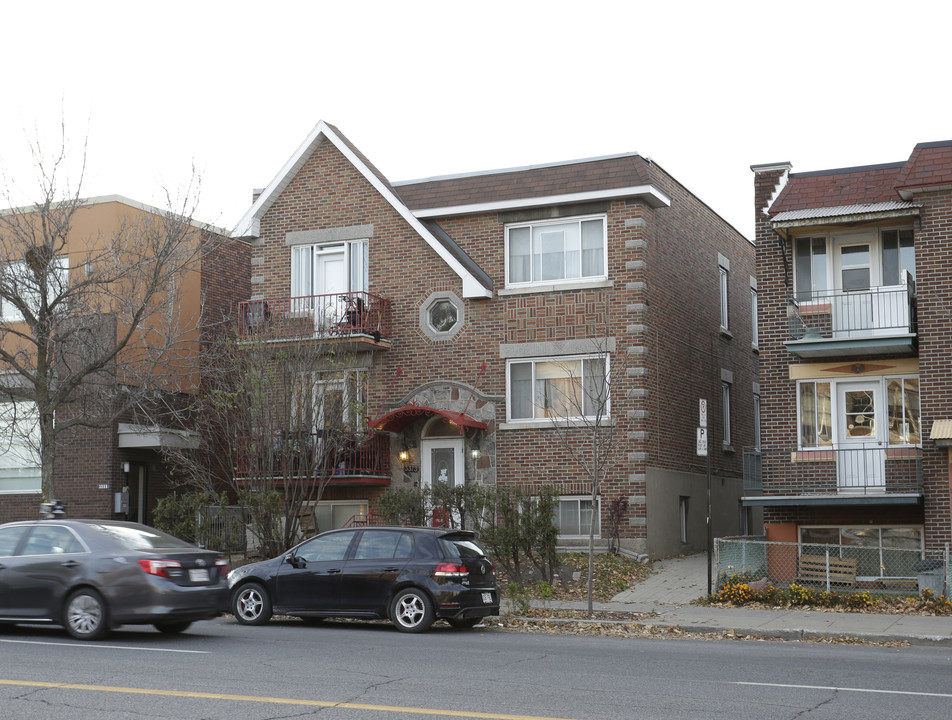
(329,269)
(17,279)
(554,252)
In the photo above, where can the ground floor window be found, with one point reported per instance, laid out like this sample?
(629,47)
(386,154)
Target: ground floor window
(333,514)
(20,470)
(574,517)
(880,551)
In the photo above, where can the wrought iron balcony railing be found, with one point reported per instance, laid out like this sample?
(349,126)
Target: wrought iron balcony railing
(312,456)
(338,315)
(871,469)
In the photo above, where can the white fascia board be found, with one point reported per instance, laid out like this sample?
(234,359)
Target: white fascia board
(250,224)
(655,198)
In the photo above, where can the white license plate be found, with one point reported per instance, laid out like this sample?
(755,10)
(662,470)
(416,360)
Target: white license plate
(488,598)
(198,574)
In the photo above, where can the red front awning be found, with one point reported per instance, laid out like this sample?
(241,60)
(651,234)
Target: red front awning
(398,419)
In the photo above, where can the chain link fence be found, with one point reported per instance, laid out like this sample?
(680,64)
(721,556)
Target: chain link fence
(843,568)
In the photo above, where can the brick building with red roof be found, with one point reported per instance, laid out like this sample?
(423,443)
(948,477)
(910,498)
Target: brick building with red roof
(855,350)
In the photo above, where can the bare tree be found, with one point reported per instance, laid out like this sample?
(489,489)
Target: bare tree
(278,419)
(93,324)
(578,404)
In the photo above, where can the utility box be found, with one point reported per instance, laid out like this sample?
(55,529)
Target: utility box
(931,575)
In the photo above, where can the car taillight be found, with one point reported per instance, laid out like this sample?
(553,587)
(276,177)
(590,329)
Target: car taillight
(159,567)
(451,570)
(222,565)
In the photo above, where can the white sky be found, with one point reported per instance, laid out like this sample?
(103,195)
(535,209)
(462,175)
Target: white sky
(431,88)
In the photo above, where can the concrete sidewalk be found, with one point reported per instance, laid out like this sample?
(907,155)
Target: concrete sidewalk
(677,582)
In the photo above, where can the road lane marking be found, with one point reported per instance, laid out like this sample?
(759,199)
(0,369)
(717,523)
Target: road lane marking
(847,689)
(274,700)
(93,646)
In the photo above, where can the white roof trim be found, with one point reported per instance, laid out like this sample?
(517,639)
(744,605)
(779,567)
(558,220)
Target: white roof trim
(655,198)
(250,223)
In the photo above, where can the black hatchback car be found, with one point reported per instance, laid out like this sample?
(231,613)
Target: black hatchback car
(411,576)
(94,575)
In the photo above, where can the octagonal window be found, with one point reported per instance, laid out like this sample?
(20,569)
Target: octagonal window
(443,315)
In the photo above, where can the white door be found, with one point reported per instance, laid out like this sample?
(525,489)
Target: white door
(855,271)
(442,462)
(331,273)
(860,452)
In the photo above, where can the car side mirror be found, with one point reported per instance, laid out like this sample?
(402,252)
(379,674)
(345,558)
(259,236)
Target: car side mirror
(294,561)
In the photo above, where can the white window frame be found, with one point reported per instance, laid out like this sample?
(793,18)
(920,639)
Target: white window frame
(319,383)
(20,469)
(578,500)
(834,409)
(303,274)
(724,271)
(538,225)
(829,277)
(11,314)
(604,413)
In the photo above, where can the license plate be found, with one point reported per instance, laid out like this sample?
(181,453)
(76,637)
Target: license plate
(488,598)
(198,574)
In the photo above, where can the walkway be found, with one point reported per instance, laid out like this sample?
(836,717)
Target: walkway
(677,582)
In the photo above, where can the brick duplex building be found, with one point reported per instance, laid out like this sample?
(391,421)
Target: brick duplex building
(484,304)
(854,294)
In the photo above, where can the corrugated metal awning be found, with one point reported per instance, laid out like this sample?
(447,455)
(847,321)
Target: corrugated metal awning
(812,216)
(941,433)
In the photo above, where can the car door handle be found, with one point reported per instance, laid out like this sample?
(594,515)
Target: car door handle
(391,569)
(70,564)
(333,571)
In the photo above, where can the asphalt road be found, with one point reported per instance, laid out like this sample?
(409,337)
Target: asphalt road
(347,671)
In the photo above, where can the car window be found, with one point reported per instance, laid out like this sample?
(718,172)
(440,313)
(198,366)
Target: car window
(52,540)
(375,544)
(457,547)
(140,537)
(325,548)
(9,537)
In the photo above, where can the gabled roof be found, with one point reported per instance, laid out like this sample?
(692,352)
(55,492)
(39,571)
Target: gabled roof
(250,223)
(627,175)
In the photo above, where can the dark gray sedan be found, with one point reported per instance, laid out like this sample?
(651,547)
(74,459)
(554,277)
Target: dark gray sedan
(91,576)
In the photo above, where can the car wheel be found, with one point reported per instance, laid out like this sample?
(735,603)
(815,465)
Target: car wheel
(86,615)
(463,623)
(251,605)
(412,611)
(172,628)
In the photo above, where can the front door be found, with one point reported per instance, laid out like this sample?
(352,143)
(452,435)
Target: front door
(860,452)
(442,462)
(138,493)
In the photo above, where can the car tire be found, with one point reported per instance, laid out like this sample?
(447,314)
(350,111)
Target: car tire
(412,611)
(463,623)
(85,615)
(173,628)
(251,605)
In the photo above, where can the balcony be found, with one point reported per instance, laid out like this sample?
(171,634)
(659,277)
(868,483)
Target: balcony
(878,321)
(361,460)
(862,475)
(356,317)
